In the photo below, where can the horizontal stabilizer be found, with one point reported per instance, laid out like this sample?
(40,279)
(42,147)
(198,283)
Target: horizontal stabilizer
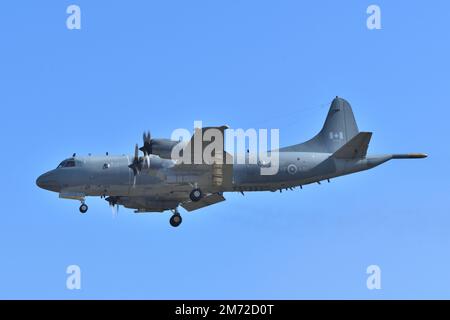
(203,202)
(356,148)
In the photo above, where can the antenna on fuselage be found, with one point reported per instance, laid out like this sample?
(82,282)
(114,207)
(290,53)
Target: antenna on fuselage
(73,155)
(106,152)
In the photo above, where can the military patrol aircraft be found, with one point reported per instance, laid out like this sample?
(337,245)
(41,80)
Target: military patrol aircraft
(155,182)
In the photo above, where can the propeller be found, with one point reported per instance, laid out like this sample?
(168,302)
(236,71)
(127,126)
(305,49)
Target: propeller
(147,148)
(144,162)
(113,205)
(136,165)
(115,211)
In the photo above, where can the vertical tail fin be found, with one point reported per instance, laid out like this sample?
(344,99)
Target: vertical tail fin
(339,128)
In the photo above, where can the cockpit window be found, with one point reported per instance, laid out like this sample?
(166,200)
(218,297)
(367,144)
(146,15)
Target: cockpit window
(67,163)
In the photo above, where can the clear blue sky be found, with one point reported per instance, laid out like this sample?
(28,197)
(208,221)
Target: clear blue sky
(160,65)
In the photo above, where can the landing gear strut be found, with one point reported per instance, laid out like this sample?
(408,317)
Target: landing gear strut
(176,219)
(196,194)
(83,208)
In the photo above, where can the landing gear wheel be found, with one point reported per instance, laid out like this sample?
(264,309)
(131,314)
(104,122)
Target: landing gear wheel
(83,208)
(196,194)
(175,220)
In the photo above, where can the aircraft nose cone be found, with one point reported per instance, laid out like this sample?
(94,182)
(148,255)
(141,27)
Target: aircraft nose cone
(39,181)
(45,181)
(42,181)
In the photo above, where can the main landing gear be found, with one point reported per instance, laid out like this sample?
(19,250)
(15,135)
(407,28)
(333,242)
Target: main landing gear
(196,194)
(176,219)
(83,208)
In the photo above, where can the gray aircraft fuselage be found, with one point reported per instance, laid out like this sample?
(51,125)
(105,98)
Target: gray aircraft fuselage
(110,175)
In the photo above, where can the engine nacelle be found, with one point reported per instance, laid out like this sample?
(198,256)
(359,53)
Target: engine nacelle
(155,162)
(163,147)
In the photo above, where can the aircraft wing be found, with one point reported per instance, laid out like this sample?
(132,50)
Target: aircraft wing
(219,167)
(203,202)
(199,141)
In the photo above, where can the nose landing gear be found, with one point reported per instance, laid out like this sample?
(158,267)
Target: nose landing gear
(176,219)
(83,208)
